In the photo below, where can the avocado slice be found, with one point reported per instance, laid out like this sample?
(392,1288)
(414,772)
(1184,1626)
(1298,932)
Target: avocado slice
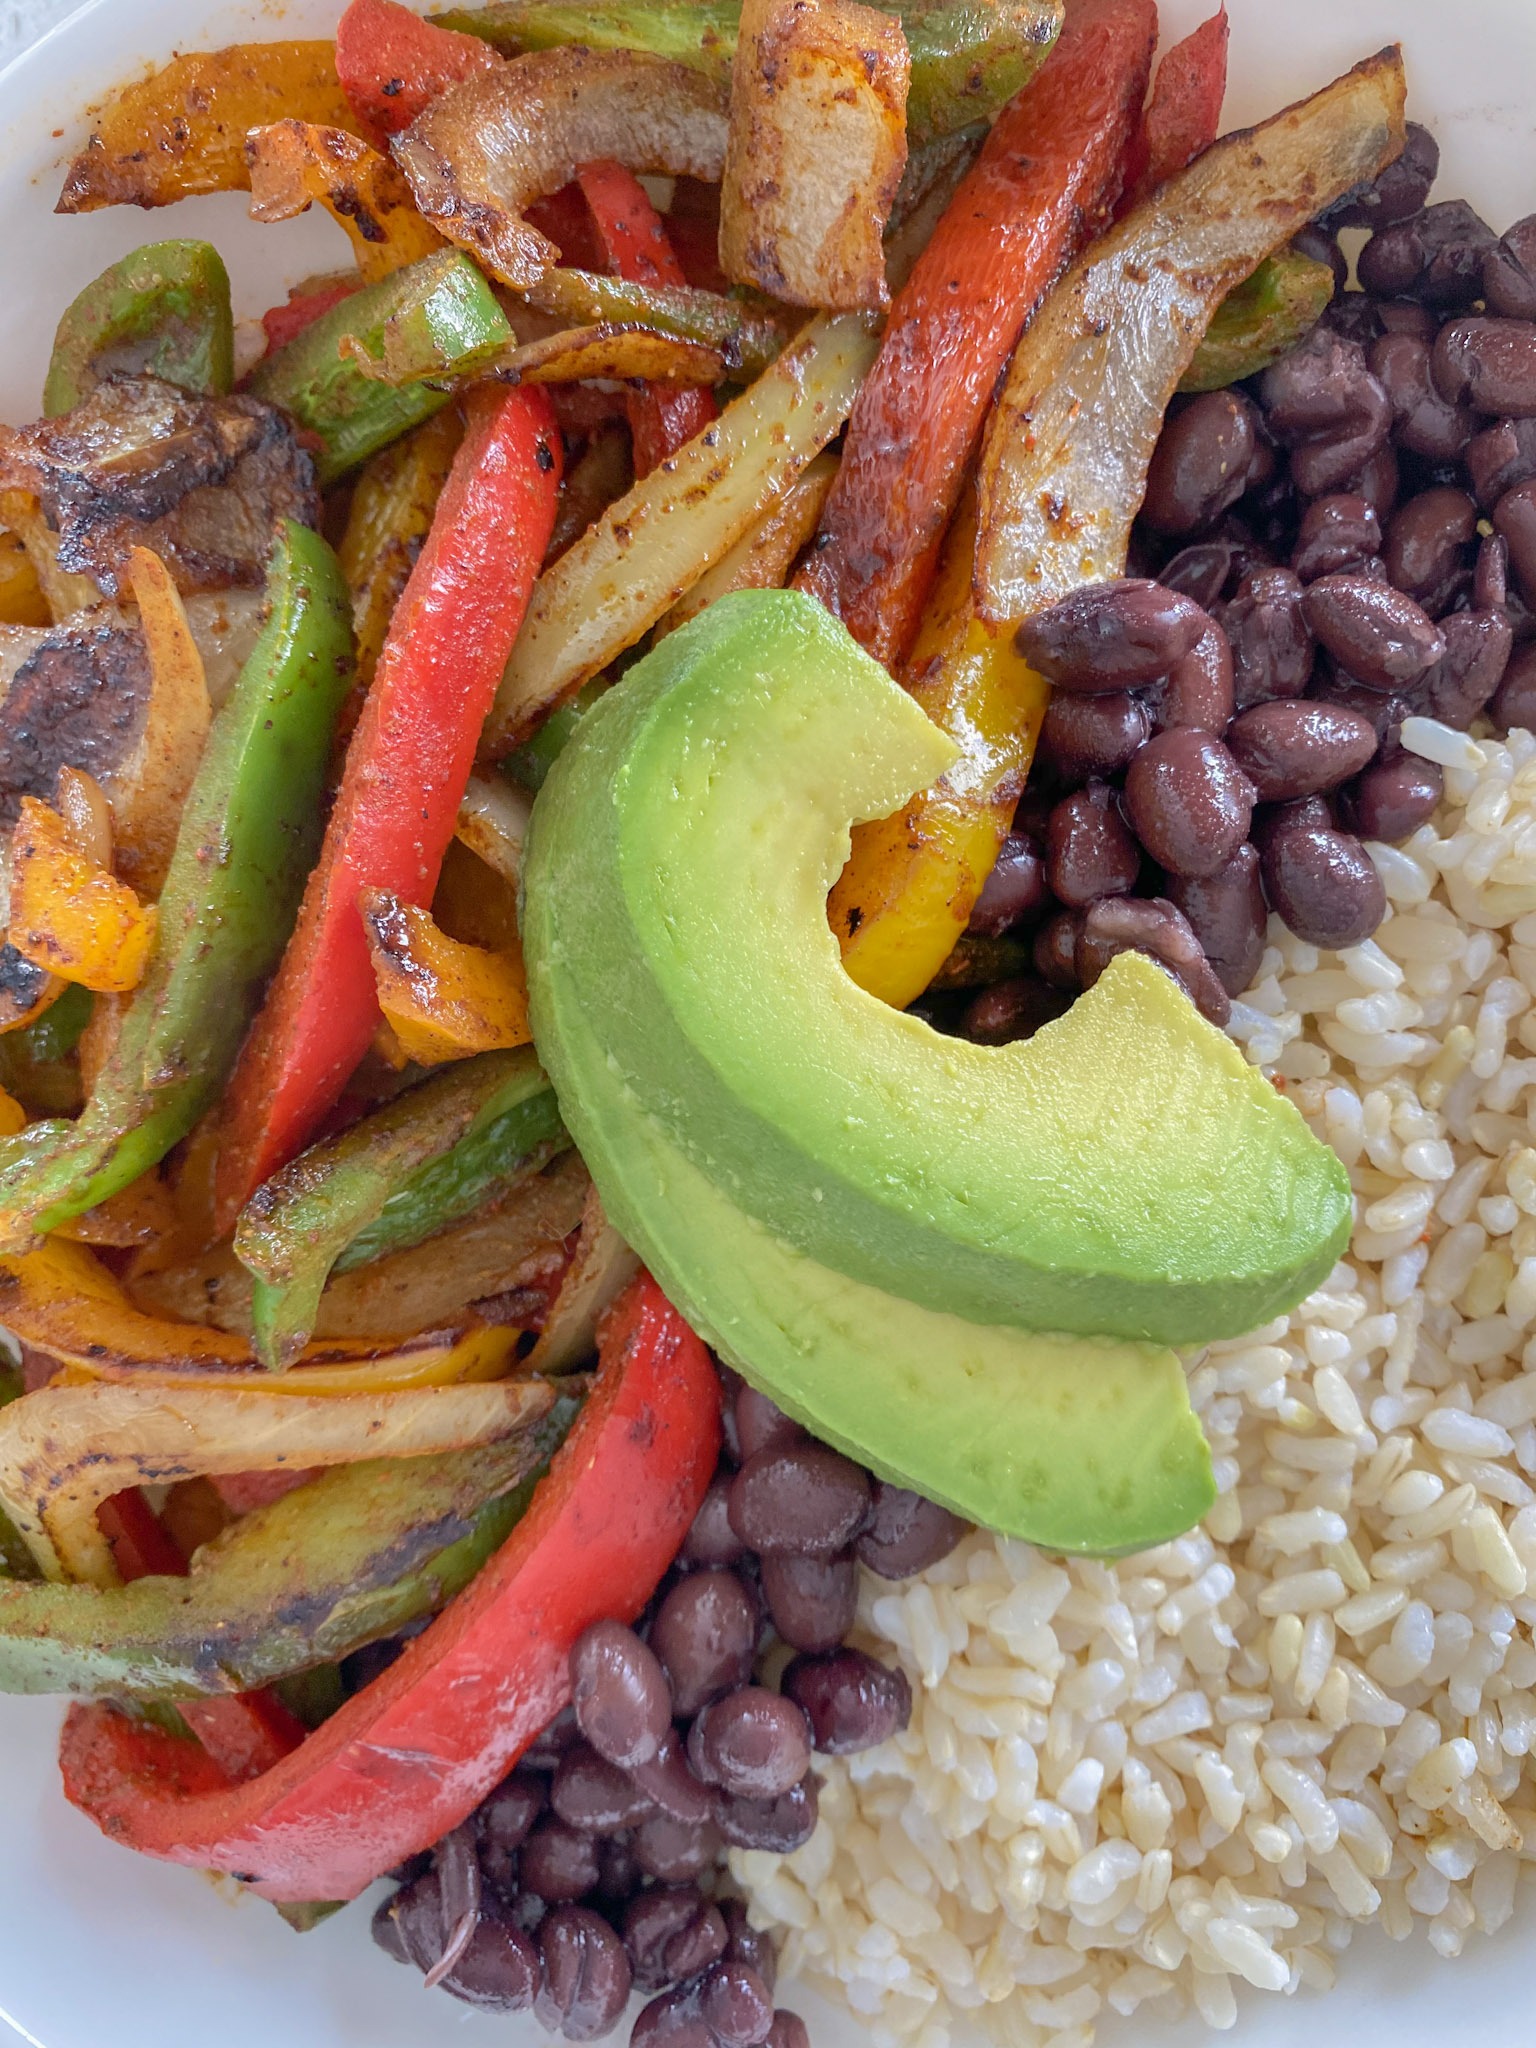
(341,1561)
(1124,1172)
(1075,1443)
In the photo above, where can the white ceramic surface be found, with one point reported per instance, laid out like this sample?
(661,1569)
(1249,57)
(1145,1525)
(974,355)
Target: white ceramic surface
(99,1949)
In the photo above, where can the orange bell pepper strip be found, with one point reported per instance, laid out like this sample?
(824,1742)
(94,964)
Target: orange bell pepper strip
(1045,181)
(392,64)
(409,1757)
(911,882)
(441,998)
(405,774)
(22,602)
(69,913)
(1183,116)
(182,130)
(636,248)
(295,163)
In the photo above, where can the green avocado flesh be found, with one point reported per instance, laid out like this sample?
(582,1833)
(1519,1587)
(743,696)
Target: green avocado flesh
(1074,1443)
(341,1561)
(1123,1173)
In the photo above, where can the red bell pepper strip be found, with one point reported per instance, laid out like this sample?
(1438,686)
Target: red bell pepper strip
(635,245)
(1183,116)
(1044,183)
(302,309)
(244,1735)
(392,64)
(406,769)
(413,1754)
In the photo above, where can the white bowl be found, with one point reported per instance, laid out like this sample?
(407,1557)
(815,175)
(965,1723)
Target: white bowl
(100,1947)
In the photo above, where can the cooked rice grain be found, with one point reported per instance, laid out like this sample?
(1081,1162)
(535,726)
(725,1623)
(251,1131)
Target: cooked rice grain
(1199,1769)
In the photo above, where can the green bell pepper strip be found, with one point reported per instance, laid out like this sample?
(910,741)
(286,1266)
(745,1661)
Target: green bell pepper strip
(34,1061)
(162,311)
(248,837)
(531,762)
(343,1560)
(436,318)
(1261,320)
(967,57)
(399,1175)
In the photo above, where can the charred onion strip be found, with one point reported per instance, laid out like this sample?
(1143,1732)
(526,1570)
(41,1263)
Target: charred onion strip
(294,163)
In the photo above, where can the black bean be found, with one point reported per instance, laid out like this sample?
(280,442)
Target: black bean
(1111,636)
(1083,737)
(553,1742)
(1088,851)
(905,1533)
(504,1822)
(1330,685)
(619,1876)
(586,1975)
(1337,532)
(761,1423)
(1354,316)
(799,1499)
(781,1825)
(811,1600)
(1490,582)
(1500,457)
(753,1744)
(1315,389)
(1227,913)
(1203,570)
(1515,701)
(1401,189)
(667,1780)
(1330,462)
(851,1702)
(1509,272)
(1514,517)
(1271,646)
(457,1862)
(736,2005)
(1307,814)
(788,2031)
(1201,462)
(1427,538)
(558,1863)
(705,1633)
(1055,947)
(499,1969)
(748,1944)
(1298,748)
(711,1542)
(1324,886)
(619,1694)
(1392,799)
(1378,634)
(590,1793)
(1125,924)
(1015,889)
(1378,481)
(671,1933)
(1425,422)
(1488,364)
(1188,802)
(1197,691)
(672,2021)
(1405,316)
(385,1928)
(1477,651)
(1011,1010)
(1435,256)
(675,1851)
(1319,244)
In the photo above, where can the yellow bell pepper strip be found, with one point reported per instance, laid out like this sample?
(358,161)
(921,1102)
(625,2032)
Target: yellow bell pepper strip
(245,843)
(1261,320)
(406,769)
(912,881)
(441,998)
(294,163)
(182,130)
(473,1692)
(176,722)
(22,602)
(63,592)
(351,1556)
(65,1450)
(437,318)
(443,1358)
(967,58)
(13,1117)
(393,501)
(163,311)
(407,1170)
(69,913)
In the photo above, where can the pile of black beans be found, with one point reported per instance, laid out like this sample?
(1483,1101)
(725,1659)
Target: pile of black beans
(593,1870)
(1346,540)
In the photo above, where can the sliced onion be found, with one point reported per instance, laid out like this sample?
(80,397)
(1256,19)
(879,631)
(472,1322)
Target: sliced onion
(601,1270)
(493,823)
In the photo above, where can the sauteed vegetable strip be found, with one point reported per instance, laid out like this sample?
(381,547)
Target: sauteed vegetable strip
(1047,175)
(162,311)
(477,1688)
(407,766)
(247,838)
